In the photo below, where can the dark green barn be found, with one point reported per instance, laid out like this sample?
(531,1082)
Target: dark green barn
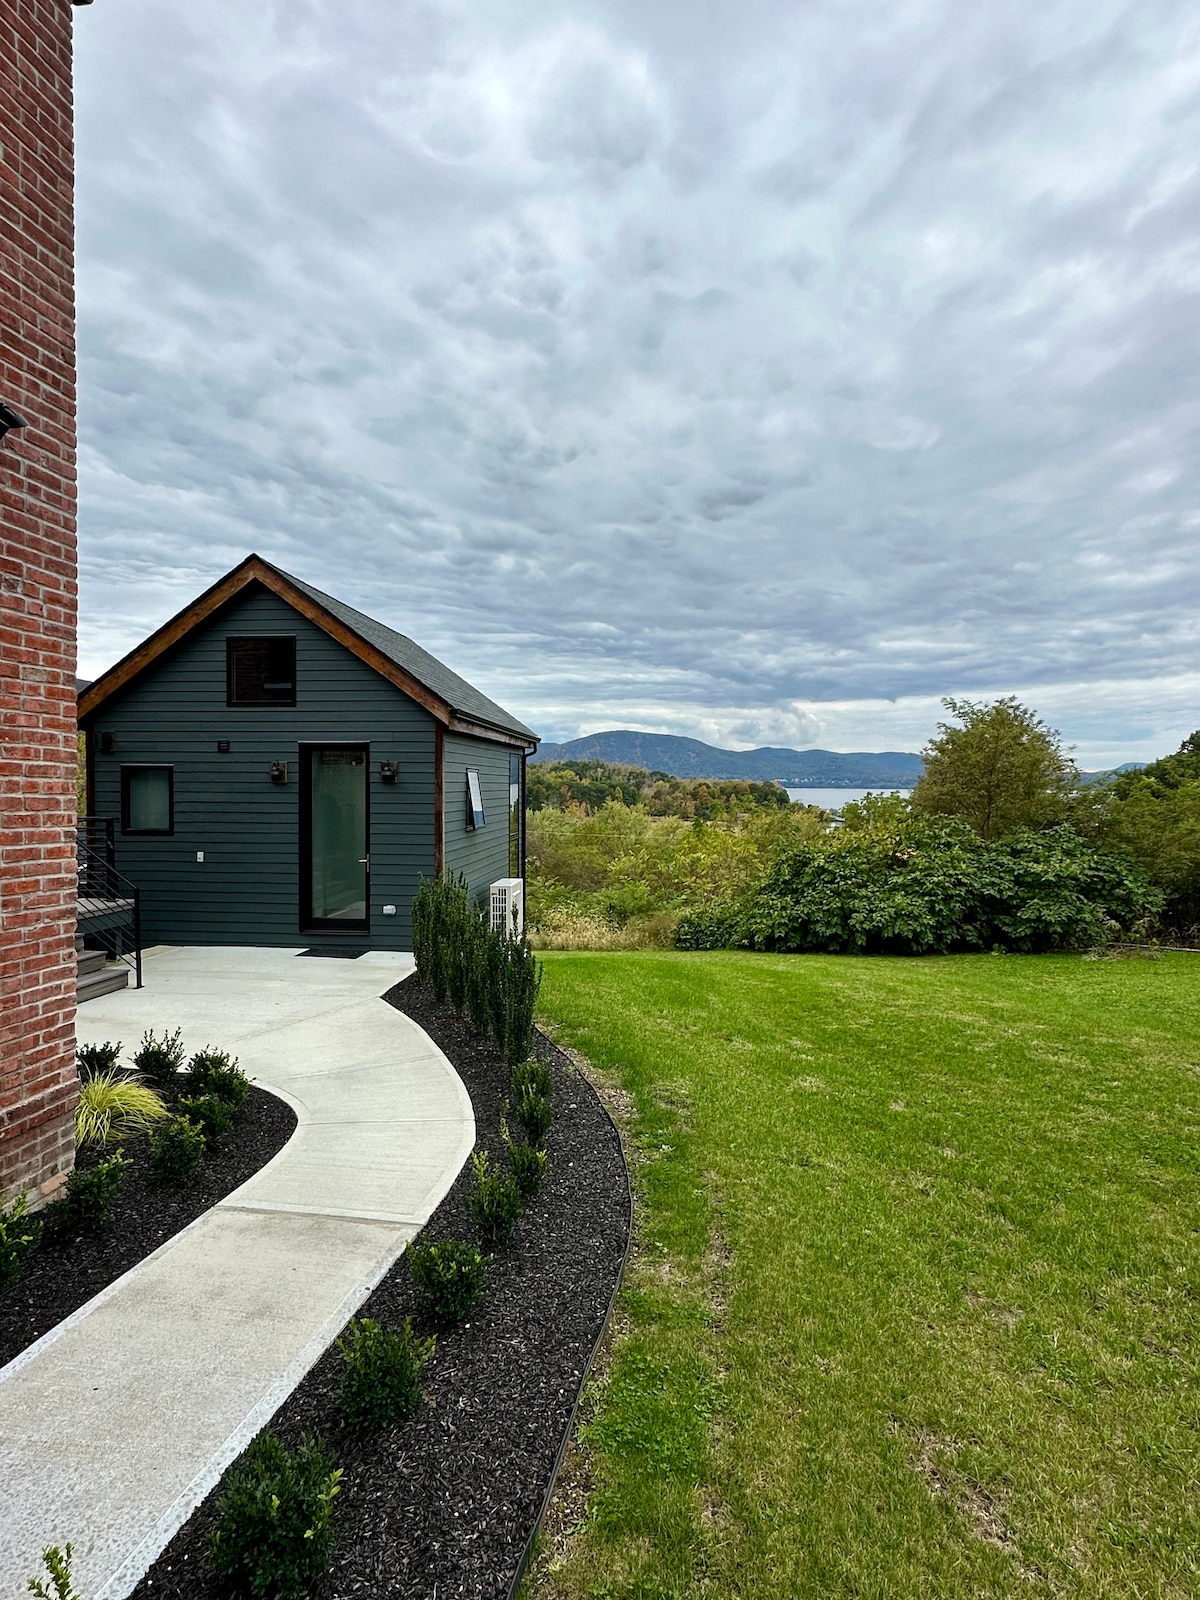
(285,770)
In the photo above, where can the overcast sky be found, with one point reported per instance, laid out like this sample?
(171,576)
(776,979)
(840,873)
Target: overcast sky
(758,371)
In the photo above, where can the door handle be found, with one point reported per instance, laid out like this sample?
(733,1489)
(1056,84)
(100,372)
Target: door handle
(364,861)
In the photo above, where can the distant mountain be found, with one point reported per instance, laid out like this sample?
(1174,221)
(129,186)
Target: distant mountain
(690,758)
(1094,779)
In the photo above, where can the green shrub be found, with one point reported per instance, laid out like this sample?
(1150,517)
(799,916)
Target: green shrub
(177,1149)
(534,1113)
(382,1380)
(526,1162)
(94,1058)
(58,1564)
(275,1535)
(711,927)
(91,1196)
(451,1274)
(522,980)
(496,1203)
(19,1236)
(161,1058)
(216,1072)
(114,1106)
(532,1077)
(212,1115)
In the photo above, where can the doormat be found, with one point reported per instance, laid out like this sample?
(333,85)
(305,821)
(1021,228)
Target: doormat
(340,952)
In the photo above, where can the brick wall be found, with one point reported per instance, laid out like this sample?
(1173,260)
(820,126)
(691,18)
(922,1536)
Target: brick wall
(38,1084)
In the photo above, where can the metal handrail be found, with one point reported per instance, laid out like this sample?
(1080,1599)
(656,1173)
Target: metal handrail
(100,880)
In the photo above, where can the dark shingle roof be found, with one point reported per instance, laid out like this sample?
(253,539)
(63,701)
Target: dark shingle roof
(458,694)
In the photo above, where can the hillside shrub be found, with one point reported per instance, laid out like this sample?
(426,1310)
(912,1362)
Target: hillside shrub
(114,1106)
(94,1058)
(275,1534)
(895,882)
(382,1379)
(496,1203)
(19,1237)
(177,1149)
(451,1274)
(159,1059)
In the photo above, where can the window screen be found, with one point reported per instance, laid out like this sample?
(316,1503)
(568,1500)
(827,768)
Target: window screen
(260,672)
(147,799)
(475,817)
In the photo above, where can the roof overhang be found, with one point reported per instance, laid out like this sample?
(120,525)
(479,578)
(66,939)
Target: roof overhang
(255,570)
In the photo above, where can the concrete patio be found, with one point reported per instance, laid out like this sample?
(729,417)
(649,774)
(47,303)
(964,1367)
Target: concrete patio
(115,1425)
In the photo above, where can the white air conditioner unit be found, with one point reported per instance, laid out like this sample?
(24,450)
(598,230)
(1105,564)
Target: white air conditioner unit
(508,906)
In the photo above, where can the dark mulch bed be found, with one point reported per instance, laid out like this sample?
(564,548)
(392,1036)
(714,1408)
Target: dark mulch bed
(64,1274)
(444,1503)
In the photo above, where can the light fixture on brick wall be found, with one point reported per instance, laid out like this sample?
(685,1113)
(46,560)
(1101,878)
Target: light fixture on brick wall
(9,419)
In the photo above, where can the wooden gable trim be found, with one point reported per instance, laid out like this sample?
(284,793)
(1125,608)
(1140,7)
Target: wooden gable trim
(255,570)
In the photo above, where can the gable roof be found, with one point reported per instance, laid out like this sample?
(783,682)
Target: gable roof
(450,699)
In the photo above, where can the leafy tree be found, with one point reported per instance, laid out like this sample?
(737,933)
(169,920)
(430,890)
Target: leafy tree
(999,768)
(1153,817)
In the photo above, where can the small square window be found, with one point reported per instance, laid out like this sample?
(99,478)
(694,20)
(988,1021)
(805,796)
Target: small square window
(260,672)
(475,817)
(147,800)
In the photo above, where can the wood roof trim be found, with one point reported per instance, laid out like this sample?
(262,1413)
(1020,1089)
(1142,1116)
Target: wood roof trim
(253,570)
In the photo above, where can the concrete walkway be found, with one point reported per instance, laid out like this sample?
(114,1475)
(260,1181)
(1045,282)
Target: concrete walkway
(116,1424)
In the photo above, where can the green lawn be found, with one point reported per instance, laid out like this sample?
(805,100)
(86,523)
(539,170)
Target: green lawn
(916,1305)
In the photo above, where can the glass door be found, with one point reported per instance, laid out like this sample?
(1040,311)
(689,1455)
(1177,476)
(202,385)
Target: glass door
(335,850)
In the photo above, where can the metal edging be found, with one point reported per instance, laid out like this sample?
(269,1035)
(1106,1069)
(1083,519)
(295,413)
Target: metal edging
(568,1431)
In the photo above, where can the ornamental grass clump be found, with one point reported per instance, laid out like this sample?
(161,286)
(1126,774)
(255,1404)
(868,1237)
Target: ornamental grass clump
(212,1115)
(91,1198)
(177,1149)
(382,1380)
(19,1236)
(217,1073)
(275,1534)
(160,1059)
(114,1106)
(496,1203)
(451,1274)
(95,1058)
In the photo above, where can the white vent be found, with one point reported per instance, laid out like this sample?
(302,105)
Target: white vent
(508,905)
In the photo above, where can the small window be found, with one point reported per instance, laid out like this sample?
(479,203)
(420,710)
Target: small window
(260,672)
(147,800)
(475,817)
(516,815)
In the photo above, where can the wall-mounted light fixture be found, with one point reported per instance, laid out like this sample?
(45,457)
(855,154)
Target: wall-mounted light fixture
(279,772)
(106,743)
(9,419)
(389,771)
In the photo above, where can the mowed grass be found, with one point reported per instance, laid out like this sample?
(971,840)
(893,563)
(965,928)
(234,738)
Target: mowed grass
(916,1302)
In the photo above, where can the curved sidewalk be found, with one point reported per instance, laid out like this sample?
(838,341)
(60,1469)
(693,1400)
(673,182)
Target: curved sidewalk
(115,1425)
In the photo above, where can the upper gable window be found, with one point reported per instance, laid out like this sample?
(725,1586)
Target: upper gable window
(260,672)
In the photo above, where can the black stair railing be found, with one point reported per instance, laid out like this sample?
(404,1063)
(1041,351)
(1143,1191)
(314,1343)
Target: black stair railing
(110,905)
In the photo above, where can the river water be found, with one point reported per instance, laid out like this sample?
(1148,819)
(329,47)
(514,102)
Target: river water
(835,799)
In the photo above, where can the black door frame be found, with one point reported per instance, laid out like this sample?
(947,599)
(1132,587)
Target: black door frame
(328,925)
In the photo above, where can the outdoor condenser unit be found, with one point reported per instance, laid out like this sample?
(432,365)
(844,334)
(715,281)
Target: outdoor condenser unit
(508,905)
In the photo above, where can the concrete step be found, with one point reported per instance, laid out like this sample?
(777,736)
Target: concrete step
(90,961)
(102,982)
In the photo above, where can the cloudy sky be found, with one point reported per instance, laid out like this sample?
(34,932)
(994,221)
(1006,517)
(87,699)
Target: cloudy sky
(755,371)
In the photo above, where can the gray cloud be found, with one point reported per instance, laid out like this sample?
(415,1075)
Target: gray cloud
(761,372)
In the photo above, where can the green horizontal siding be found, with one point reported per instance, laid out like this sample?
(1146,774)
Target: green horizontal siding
(248,889)
(481,855)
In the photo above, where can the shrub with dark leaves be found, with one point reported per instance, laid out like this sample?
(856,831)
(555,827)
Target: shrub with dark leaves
(212,1115)
(496,1203)
(216,1072)
(19,1236)
(177,1149)
(161,1058)
(91,1198)
(451,1274)
(382,1380)
(96,1058)
(275,1534)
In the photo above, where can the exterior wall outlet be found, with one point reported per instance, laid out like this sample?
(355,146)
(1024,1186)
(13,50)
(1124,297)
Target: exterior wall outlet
(199,855)
(389,911)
